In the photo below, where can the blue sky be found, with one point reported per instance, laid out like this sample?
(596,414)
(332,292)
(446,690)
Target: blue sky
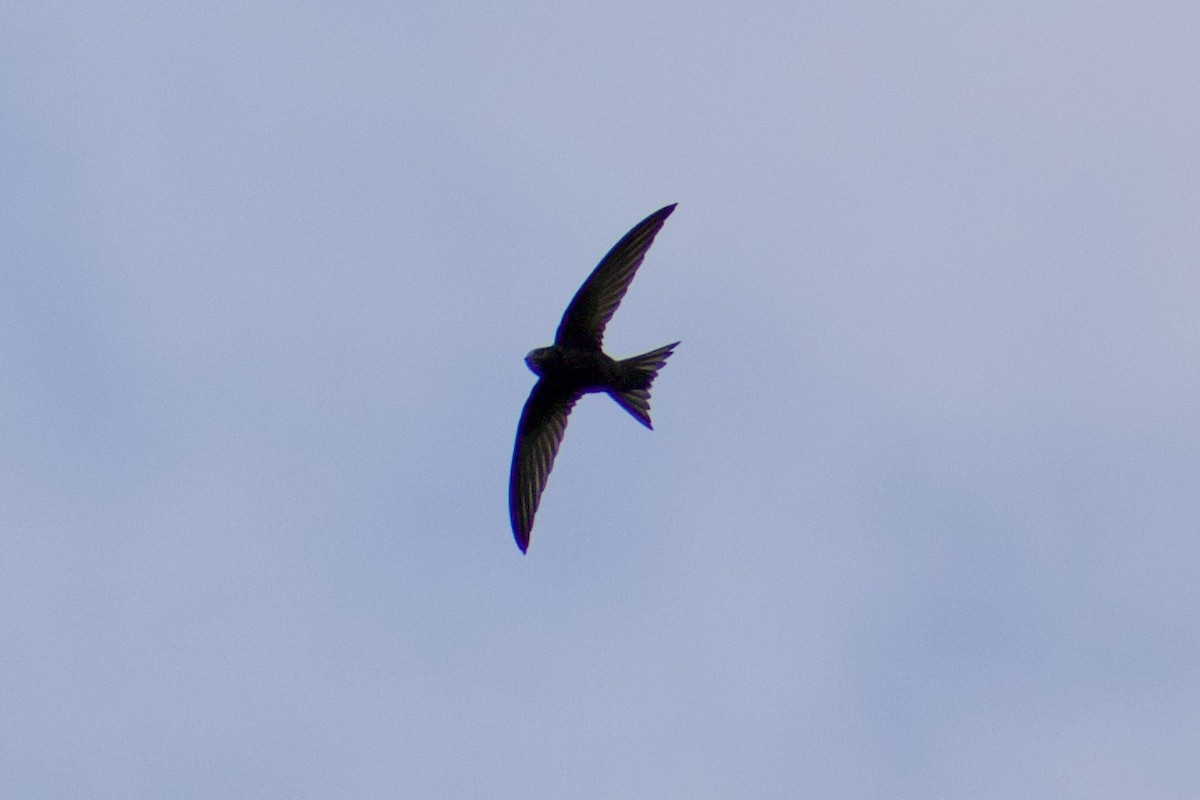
(919,517)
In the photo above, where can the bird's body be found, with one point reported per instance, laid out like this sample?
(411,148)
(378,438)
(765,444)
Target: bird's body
(576,365)
(587,369)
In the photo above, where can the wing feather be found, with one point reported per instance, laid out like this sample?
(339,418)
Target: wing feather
(540,432)
(592,307)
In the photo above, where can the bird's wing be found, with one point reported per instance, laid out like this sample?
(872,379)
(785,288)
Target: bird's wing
(543,422)
(593,305)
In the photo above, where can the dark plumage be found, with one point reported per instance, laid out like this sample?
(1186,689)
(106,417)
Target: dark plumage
(576,365)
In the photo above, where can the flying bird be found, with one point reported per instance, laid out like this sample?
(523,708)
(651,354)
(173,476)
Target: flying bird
(576,365)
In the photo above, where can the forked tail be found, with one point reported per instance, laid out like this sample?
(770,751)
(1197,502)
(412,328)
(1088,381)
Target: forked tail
(638,373)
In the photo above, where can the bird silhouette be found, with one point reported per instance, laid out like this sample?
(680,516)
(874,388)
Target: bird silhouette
(576,365)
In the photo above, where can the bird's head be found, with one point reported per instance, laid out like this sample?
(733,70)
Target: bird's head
(536,358)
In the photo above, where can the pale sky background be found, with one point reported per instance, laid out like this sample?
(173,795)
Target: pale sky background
(920,517)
